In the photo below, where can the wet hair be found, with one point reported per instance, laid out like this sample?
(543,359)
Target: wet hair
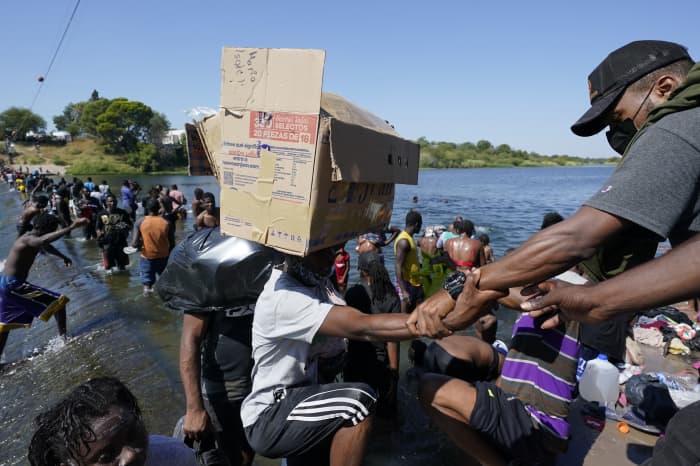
(484,239)
(174,187)
(379,281)
(66,427)
(550,218)
(678,68)
(413,217)
(464,226)
(198,192)
(210,196)
(45,222)
(152,206)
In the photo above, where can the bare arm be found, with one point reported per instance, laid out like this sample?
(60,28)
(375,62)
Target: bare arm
(44,240)
(49,248)
(444,258)
(348,322)
(553,250)
(194,328)
(668,279)
(482,258)
(402,249)
(393,233)
(199,222)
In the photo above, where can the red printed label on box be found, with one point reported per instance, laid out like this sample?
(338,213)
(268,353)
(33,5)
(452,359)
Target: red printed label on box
(288,127)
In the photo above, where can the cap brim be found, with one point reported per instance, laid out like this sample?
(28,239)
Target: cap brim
(595,119)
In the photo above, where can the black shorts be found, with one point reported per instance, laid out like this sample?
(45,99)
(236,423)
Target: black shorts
(504,420)
(439,361)
(305,418)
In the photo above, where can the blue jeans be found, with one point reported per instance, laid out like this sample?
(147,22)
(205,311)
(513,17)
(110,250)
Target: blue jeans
(150,268)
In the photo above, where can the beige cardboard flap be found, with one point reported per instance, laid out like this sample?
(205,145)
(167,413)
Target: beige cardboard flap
(281,80)
(342,109)
(362,155)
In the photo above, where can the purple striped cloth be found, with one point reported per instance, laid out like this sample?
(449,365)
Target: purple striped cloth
(540,369)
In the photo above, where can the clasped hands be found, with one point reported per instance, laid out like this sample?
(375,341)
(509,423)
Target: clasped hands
(439,316)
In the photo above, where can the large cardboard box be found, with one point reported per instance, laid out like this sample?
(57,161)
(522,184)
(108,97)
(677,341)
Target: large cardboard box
(301,170)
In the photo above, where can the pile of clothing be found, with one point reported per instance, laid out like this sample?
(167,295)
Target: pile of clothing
(668,328)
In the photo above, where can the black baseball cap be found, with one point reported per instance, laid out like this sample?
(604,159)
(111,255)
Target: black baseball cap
(621,68)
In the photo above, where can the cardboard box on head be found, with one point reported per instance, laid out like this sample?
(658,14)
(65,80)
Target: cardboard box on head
(301,170)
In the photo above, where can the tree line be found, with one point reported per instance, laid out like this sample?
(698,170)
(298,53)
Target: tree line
(123,127)
(484,154)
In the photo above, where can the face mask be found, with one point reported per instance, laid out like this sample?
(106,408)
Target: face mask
(620,136)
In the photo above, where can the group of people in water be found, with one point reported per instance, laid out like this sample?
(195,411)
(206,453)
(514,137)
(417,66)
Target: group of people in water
(260,377)
(53,209)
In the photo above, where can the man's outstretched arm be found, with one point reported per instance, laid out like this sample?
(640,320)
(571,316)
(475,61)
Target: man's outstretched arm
(47,239)
(553,250)
(668,279)
(348,322)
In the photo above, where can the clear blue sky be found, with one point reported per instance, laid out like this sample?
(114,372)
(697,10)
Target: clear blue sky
(511,72)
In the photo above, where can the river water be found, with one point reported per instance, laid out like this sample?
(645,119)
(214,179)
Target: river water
(117,331)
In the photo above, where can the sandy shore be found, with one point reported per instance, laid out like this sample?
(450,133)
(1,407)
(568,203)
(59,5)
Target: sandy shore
(43,168)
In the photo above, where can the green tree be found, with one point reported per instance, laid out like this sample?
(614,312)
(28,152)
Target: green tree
(124,124)
(157,127)
(69,120)
(483,145)
(18,121)
(94,96)
(144,158)
(91,111)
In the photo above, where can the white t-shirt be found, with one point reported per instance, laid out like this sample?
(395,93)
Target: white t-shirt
(169,451)
(288,315)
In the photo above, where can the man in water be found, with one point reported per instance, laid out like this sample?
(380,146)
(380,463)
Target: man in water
(156,237)
(21,301)
(407,265)
(486,246)
(113,227)
(128,199)
(197,202)
(209,218)
(35,207)
(179,201)
(428,244)
(100,423)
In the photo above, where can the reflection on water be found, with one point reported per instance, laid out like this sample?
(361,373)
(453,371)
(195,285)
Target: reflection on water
(115,330)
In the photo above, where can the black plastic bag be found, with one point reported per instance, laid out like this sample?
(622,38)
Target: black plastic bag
(211,272)
(650,399)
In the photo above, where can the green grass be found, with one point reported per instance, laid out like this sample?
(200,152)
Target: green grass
(82,157)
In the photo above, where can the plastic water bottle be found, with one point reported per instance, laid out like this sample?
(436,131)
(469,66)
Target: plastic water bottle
(599,382)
